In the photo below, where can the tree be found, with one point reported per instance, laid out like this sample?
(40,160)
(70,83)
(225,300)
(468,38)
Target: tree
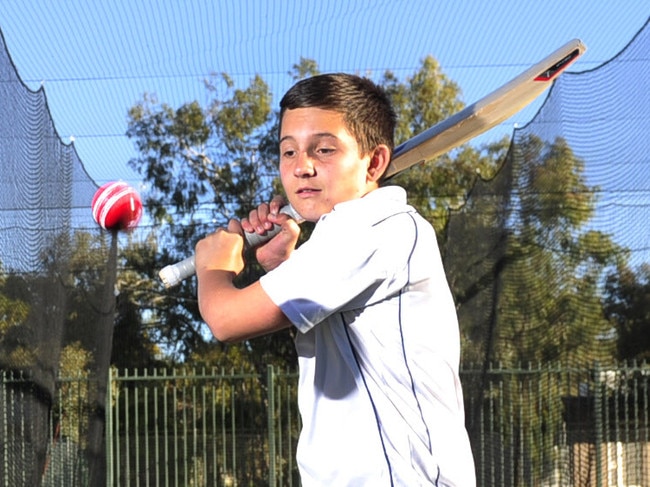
(14,310)
(549,303)
(627,307)
(203,166)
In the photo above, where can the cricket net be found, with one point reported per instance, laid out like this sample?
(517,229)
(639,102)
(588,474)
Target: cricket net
(536,258)
(45,224)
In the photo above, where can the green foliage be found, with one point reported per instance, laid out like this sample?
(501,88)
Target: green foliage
(197,157)
(627,307)
(549,302)
(203,166)
(138,337)
(49,320)
(304,69)
(13,312)
(30,305)
(555,198)
(73,396)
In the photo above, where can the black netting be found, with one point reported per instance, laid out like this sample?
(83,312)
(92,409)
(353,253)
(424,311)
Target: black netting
(45,223)
(528,257)
(44,189)
(528,254)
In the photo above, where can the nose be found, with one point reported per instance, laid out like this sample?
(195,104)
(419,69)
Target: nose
(304,166)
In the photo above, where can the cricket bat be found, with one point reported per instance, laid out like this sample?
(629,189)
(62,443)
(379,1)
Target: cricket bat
(452,132)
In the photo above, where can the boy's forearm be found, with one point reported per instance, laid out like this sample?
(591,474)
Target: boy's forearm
(234,314)
(214,293)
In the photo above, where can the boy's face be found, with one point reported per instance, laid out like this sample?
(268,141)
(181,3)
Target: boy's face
(320,165)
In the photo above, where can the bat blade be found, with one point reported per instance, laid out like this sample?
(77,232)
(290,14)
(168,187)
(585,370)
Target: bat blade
(486,113)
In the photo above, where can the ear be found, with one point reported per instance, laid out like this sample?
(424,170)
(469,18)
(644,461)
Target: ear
(378,164)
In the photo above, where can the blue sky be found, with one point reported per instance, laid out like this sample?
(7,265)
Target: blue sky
(96,58)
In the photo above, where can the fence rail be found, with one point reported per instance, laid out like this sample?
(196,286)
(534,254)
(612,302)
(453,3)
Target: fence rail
(534,426)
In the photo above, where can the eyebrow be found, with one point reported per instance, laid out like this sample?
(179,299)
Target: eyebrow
(319,135)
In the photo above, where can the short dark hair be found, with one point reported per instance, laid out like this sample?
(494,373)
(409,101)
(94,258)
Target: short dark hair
(366,108)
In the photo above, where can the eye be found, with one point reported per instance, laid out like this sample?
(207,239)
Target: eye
(288,153)
(325,150)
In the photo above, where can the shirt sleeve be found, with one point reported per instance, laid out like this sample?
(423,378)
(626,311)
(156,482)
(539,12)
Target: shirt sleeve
(341,267)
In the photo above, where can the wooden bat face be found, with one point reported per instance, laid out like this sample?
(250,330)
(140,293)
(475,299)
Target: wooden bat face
(485,113)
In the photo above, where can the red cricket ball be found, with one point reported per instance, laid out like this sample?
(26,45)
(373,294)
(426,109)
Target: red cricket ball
(117,206)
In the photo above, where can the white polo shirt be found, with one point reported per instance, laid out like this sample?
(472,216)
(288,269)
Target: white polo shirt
(379,393)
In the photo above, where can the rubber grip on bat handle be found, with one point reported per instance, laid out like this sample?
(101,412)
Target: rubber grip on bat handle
(174,274)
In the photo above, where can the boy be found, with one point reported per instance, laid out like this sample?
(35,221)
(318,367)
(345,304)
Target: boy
(378,341)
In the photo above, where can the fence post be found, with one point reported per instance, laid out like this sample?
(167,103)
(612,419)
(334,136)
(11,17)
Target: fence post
(4,407)
(598,424)
(270,387)
(109,430)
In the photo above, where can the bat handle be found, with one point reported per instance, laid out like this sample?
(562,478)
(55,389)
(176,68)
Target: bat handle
(174,274)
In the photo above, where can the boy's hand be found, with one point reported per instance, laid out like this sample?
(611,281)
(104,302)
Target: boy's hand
(272,253)
(222,250)
(261,219)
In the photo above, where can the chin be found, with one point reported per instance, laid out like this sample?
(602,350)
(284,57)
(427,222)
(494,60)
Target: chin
(309,212)
(311,216)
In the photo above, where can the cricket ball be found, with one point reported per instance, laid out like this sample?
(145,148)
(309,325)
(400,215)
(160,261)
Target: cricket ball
(117,206)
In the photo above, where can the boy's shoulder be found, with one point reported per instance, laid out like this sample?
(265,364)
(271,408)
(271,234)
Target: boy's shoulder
(379,206)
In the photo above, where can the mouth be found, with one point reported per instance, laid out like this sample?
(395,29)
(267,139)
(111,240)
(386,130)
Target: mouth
(305,192)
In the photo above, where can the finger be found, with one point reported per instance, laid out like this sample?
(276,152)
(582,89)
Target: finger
(259,218)
(263,211)
(276,204)
(280,247)
(234,226)
(247,225)
(291,231)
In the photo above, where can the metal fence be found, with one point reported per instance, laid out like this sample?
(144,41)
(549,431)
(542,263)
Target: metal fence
(200,428)
(560,426)
(534,426)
